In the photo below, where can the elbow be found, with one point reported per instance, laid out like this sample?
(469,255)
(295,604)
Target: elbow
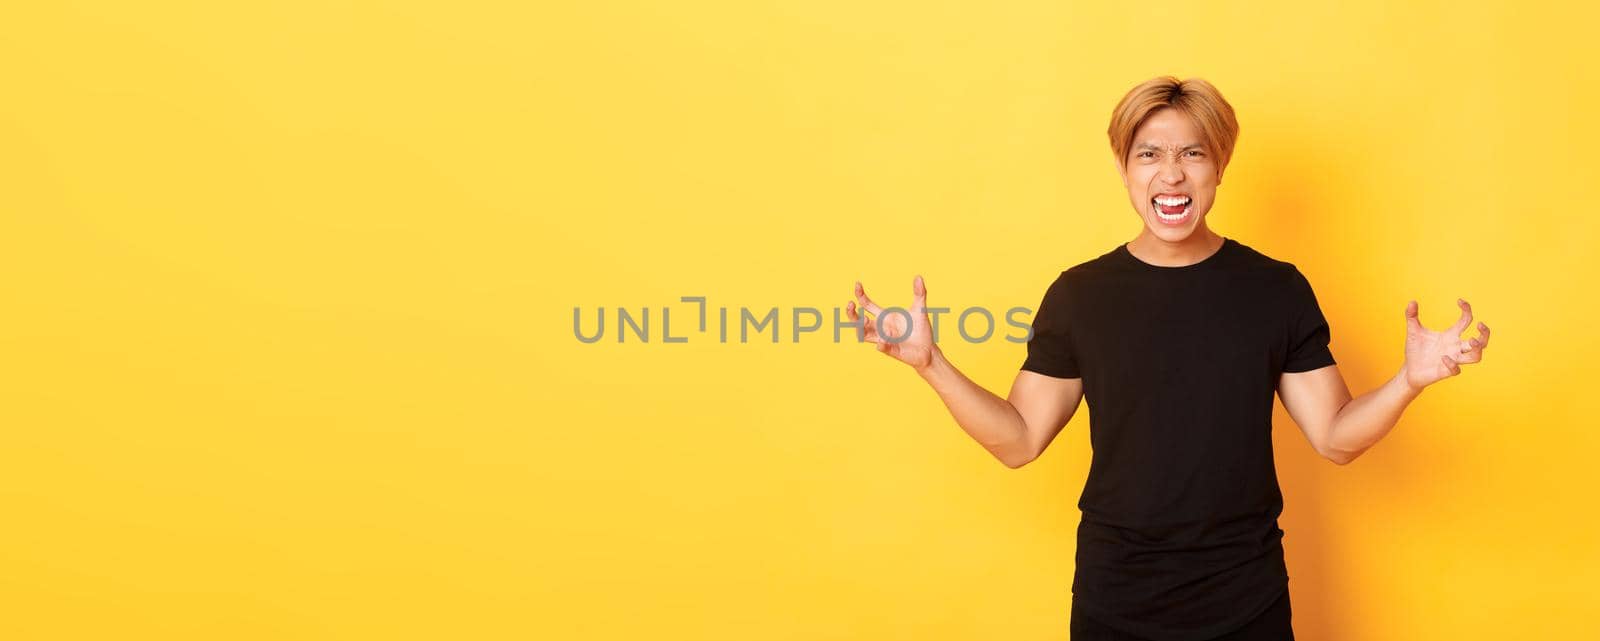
(1019,450)
(1015,460)
(1340,457)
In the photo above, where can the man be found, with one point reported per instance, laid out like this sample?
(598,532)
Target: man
(1178,339)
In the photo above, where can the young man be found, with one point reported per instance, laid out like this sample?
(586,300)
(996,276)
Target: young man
(1178,339)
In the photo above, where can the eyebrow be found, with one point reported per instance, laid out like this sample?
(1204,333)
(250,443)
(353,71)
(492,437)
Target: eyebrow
(1151,145)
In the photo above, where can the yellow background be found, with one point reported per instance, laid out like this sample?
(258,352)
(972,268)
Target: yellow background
(288,293)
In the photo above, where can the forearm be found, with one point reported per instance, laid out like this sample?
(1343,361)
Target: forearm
(1366,419)
(989,419)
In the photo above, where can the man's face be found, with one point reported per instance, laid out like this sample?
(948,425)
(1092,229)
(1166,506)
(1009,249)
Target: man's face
(1170,175)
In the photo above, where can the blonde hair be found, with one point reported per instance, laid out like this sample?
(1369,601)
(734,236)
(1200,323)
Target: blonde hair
(1194,97)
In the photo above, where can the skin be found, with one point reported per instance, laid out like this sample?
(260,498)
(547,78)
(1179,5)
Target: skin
(1169,155)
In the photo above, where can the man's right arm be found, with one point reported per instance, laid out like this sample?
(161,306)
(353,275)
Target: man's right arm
(1016,429)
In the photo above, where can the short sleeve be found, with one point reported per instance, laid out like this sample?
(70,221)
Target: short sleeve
(1050,347)
(1308,329)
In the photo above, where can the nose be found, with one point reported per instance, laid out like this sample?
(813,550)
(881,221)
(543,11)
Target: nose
(1172,172)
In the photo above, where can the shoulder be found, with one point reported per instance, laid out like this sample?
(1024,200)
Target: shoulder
(1280,280)
(1105,263)
(1070,286)
(1076,274)
(1287,273)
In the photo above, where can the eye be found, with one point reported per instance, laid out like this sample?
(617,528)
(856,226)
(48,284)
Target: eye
(1146,154)
(1196,153)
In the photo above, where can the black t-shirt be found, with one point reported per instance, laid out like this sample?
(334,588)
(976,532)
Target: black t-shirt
(1179,538)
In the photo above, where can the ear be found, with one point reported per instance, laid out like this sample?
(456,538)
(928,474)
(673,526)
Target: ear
(1122,170)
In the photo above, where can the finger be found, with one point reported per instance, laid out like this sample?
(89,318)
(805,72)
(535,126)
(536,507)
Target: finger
(1483,335)
(1451,365)
(919,294)
(866,303)
(869,330)
(1465,320)
(1412,323)
(866,332)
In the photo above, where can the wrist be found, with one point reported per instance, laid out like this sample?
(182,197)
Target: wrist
(935,362)
(1404,383)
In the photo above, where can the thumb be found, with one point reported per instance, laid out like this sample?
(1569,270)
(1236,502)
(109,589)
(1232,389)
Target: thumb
(919,292)
(1411,317)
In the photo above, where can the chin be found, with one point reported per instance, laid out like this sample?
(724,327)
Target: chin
(1173,235)
(1174,232)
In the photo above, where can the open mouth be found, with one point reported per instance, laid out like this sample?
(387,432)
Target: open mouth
(1172,209)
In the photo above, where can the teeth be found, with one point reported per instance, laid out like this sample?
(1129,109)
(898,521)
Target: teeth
(1172,202)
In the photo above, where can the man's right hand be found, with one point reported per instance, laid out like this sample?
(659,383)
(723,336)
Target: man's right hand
(911,343)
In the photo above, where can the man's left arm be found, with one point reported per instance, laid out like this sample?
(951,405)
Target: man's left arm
(1341,428)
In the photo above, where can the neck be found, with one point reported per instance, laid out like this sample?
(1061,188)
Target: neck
(1155,250)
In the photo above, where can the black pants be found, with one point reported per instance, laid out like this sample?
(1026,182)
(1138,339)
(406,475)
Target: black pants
(1272,625)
